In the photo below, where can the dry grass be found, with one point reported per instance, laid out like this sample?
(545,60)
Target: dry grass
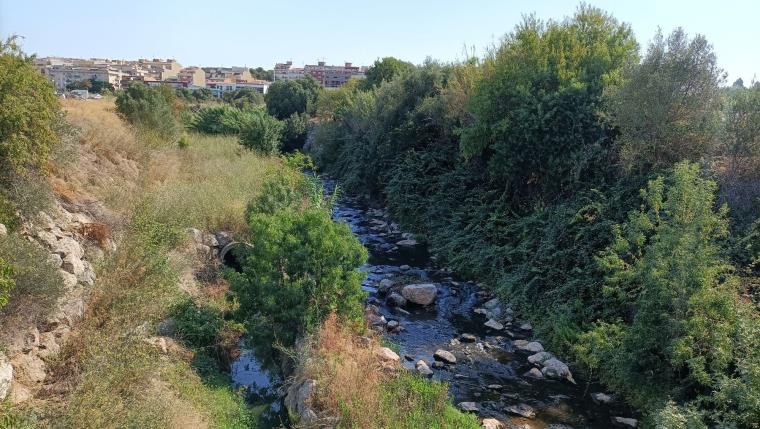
(365,393)
(207,185)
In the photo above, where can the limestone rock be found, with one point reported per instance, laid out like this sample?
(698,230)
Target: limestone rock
(468,338)
(387,354)
(494,325)
(409,242)
(491,423)
(6,376)
(298,401)
(3,230)
(539,358)
(625,422)
(384,286)
(423,368)
(534,373)
(445,356)
(29,368)
(528,346)
(602,398)
(558,370)
(422,293)
(395,300)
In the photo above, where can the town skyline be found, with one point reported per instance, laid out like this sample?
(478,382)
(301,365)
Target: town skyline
(310,32)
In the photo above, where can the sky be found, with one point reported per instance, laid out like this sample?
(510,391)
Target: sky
(256,33)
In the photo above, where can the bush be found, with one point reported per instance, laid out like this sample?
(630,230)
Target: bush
(29,111)
(301,268)
(262,133)
(6,282)
(222,120)
(148,108)
(36,279)
(286,97)
(294,132)
(198,326)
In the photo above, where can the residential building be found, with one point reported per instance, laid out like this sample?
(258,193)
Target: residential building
(327,75)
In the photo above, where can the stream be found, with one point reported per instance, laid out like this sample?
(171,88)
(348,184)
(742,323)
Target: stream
(491,374)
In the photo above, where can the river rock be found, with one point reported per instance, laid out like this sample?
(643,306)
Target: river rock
(405,267)
(423,368)
(384,286)
(421,293)
(395,300)
(534,373)
(522,410)
(625,422)
(491,423)
(392,324)
(528,346)
(526,327)
(494,325)
(373,317)
(445,356)
(468,338)
(469,407)
(387,355)
(602,398)
(438,364)
(558,370)
(6,376)
(409,242)
(539,358)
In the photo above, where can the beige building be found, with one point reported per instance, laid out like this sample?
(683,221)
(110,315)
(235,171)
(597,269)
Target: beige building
(118,73)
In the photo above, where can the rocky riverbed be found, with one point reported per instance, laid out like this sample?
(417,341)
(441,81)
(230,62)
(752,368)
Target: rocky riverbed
(452,330)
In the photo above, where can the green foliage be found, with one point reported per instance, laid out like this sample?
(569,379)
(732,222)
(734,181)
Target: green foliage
(302,266)
(540,97)
(260,73)
(183,142)
(198,326)
(262,133)
(149,108)
(286,97)
(6,282)
(294,132)
(223,120)
(29,112)
(385,70)
(667,109)
(30,283)
(410,402)
(665,269)
(244,98)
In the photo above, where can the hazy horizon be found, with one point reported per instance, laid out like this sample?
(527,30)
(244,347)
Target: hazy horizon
(202,34)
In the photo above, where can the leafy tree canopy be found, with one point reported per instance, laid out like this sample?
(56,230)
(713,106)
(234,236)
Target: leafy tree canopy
(287,97)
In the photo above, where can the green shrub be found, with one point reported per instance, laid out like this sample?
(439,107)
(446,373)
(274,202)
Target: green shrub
(294,132)
(222,120)
(29,111)
(198,326)
(183,142)
(37,282)
(148,108)
(262,133)
(6,282)
(286,97)
(301,268)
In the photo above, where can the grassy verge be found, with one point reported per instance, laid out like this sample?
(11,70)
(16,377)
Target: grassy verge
(356,386)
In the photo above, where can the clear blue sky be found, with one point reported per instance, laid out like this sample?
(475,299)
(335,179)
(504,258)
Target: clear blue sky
(257,33)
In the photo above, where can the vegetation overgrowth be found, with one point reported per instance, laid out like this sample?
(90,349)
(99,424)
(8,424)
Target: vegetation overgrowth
(591,188)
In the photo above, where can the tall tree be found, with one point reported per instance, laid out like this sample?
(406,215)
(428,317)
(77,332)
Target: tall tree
(384,70)
(287,97)
(668,108)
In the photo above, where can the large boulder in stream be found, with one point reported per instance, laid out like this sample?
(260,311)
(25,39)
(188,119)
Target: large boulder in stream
(558,370)
(445,356)
(421,293)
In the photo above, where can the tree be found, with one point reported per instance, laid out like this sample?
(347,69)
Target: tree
(287,97)
(303,266)
(384,70)
(260,73)
(668,108)
(148,108)
(203,94)
(244,98)
(294,132)
(262,133)
(29,112)
(536,110)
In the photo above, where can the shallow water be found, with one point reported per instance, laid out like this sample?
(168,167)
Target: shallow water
(490,360)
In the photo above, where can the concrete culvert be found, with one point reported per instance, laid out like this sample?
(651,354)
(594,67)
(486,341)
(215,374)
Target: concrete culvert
(230,253)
